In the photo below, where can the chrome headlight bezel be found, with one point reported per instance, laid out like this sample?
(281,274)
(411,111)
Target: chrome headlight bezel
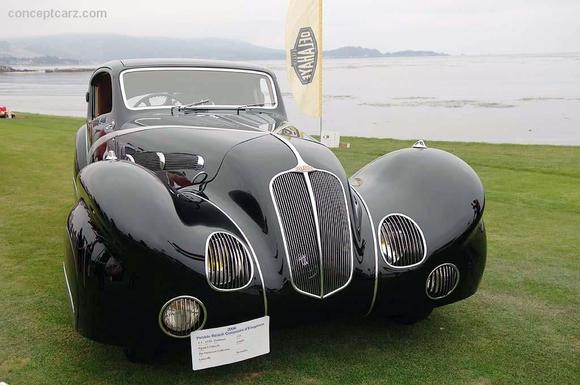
(191,325)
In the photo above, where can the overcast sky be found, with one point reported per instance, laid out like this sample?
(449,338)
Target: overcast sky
(460,26)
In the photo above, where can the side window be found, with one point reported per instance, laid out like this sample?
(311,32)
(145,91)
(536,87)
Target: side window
(102,94)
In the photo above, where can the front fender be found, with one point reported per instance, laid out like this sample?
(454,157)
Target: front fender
(151,248)
(441,192)
(445,197)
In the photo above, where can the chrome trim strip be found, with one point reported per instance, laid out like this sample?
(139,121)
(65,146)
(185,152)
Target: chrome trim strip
(84,126)
(126,131)
(161,157)
(299,159)
(206,267)
(160,318)
(75,186)
(72,304)
(375,248)
(454,286)
(253,253)
(261,73)
(378,230)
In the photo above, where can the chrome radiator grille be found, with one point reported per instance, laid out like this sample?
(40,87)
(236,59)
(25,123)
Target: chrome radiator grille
(228,264)
(402,243)
(442,281)
(314,219)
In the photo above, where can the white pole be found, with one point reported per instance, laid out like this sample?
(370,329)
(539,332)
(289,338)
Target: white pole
(321,101)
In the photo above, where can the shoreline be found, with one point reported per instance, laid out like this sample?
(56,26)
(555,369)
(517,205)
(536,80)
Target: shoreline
(10,69)
(344,138)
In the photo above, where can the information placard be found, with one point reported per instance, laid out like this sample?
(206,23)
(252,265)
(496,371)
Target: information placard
(229,344)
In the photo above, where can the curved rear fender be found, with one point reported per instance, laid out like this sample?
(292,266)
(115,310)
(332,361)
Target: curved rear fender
(80,150)
(439,191)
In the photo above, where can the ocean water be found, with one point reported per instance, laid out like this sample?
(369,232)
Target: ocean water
(499,99)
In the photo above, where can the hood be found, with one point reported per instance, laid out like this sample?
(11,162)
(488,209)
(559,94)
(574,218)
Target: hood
(179,148)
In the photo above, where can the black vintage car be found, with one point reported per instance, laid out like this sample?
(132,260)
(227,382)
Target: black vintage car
(198,205)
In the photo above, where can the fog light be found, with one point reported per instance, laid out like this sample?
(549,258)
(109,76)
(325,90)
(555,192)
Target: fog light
(442,281)
(182,315)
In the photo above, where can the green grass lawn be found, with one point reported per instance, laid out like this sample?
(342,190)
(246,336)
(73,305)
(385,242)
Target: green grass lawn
(522,327)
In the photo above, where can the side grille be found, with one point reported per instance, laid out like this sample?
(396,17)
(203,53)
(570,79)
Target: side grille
(401,240)
(177,161)
(148,160)
(157,161)
(442,281)
(227,262)
(315,223)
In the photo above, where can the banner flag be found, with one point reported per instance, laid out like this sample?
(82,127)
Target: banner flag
(304,54)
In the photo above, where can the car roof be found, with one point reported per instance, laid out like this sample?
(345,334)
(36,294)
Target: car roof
(120,65)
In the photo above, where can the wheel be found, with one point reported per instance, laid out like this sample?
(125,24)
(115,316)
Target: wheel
(412,316)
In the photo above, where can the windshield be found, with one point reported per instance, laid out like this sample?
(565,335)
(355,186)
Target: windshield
(167,87)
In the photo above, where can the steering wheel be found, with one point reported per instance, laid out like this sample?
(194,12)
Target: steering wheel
(170,99)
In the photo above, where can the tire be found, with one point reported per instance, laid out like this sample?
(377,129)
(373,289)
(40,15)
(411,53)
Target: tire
(412,316)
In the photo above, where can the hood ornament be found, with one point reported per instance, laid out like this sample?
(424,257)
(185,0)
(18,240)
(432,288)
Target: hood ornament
(420,144)
(304,168)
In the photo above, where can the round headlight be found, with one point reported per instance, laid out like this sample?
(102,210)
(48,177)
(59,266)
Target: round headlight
(182,315)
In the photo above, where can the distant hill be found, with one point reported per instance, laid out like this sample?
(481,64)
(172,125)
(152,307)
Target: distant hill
(36,60)
(98,48)
(352,52)
(361,52)
(413,53)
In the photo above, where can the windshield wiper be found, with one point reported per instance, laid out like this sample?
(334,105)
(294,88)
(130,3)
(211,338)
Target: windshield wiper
(246,106)
(190,106)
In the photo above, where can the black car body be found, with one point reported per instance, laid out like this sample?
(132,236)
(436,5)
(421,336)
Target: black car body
(226,213)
